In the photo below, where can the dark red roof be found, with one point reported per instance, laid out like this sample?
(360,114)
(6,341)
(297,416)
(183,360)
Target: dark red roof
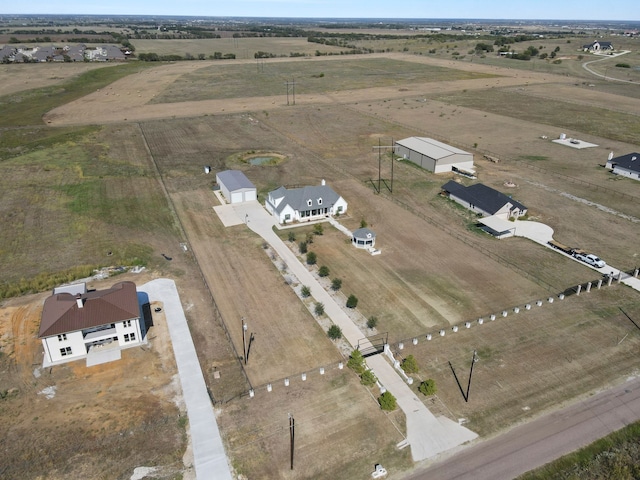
(61,313)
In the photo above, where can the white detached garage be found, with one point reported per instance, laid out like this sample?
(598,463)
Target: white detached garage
(236,187)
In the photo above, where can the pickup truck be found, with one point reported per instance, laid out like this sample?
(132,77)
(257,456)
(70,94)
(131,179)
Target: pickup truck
(591,259)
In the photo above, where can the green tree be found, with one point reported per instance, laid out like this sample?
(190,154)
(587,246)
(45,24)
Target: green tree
(428,387)
(368,378)
(305,291)
(352,301)
(311,258)
(356,362)
(317,229)
(310,238)
(372,321)
(363,223)
(387,402)
(336,284)
(410,365)
(334,332)
(319,308)
(323,271)
(303,247)
(292,236)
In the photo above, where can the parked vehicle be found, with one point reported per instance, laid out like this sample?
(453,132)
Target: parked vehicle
(591,259)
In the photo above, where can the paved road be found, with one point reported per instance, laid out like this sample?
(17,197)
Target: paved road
(542,440)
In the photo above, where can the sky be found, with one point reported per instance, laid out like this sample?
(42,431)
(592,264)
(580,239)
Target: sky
(627,10)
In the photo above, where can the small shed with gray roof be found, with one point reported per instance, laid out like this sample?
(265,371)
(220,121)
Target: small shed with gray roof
(236,187)
(435,156)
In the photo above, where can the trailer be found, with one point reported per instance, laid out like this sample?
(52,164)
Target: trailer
(563,248)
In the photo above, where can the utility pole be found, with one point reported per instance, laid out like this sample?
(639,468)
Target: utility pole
(473,362)
(291,87)
(244,341)
(292,435)
(379,148)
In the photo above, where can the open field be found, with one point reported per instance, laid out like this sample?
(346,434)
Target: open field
(242,48)
(138,188)
(319,77)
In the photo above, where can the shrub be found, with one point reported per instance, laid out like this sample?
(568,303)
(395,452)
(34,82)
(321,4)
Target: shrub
(356,362)
(319,308)
(372,321)
(623,65)
(352,301)
(303,247)
(410,365)
(363,223)
(305,291)
(292,236)
(336,284)
(317,229)
(428,387)
(387,401)
(334,332)
(368,378)
(311,258)
(323,271)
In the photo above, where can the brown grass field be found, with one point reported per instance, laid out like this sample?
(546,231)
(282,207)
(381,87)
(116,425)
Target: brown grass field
(136,182)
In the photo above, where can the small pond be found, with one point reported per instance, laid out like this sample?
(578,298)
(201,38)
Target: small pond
(262,160)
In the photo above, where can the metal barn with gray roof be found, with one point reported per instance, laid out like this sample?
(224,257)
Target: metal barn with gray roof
(435,156)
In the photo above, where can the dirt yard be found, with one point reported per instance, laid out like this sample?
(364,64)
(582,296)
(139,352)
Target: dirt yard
(100,419)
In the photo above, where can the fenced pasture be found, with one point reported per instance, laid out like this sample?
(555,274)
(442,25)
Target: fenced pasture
(534,360)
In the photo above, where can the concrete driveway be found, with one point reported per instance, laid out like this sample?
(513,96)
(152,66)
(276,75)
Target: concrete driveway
(427,434)
(209,457)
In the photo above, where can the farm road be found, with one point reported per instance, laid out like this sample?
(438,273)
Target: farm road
(427,434)
(538,442)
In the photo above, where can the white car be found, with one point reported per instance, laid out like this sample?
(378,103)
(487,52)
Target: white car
(591,259)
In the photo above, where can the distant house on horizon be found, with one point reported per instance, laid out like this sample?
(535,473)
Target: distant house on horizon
(598,46)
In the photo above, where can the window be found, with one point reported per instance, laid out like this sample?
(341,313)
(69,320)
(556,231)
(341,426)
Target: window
(287,216)
(320,201)
(62,337)
(340,208)
(129,337)
(126,323)
(309,202)
(65,351)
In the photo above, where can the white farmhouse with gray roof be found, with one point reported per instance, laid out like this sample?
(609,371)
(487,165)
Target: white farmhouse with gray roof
(304,204)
